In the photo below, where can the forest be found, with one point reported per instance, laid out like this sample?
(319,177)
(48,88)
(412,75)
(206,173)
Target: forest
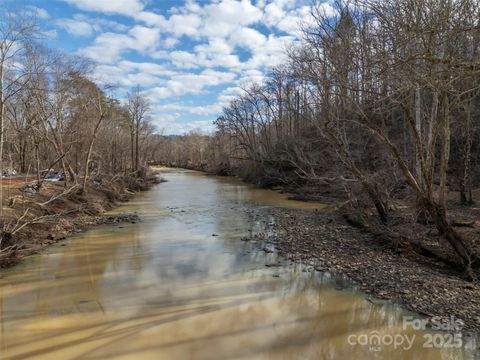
(378,106)
(55,115)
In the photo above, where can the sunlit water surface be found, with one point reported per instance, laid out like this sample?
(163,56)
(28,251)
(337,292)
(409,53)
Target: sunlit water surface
(181,284)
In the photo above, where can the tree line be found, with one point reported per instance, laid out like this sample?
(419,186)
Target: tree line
(55,116)
(381,99)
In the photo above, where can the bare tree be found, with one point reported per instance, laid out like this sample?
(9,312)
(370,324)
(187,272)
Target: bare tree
(138,106)
(16,32)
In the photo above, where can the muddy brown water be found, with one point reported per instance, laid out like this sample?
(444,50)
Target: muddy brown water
(181,284)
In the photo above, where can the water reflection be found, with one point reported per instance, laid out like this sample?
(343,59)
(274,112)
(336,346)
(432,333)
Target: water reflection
(181,284)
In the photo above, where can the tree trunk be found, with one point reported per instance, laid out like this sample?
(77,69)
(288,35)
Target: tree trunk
(137,130)
(89,153)
(37,158)
(445,154)
(465,180)
(439,216)
(132,149)
(377,202)
(418,128)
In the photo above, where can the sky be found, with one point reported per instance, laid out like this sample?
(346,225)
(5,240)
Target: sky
(191,58)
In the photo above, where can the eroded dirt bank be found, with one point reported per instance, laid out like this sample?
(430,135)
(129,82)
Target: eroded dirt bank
(325,241)
(33,220)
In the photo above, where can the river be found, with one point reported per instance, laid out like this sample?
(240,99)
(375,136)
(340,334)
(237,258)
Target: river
(181,284)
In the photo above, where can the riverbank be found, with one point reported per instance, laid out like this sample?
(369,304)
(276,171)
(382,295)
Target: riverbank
(33,219)
(326,242)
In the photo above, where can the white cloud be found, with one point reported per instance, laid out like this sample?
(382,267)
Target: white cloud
(38,12)
(184,24)
(226,16)
(182,59)
(212,109)
(190,83)
(123,7)
(285,16)
(274,13)
(145,37)
(49,34)
(248,38)
(293,22)
(170,123)
(270,54)
(249,77)
(170,42)
(229,94)
(128,73)
(166,119)
(108,46)
(169,106)
(217,19)
(150,18)
(209,109)
(76,27)
(82,25)
(216,53)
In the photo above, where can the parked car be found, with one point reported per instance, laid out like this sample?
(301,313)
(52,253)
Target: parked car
(55,177)
(8,173)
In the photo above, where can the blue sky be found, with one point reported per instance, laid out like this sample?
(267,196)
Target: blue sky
(190,57)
